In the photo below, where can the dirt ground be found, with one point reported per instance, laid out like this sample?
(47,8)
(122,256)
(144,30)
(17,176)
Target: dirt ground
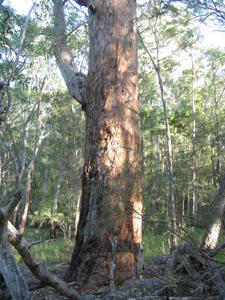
(48,293)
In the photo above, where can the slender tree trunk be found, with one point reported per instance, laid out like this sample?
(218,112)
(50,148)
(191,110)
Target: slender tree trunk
(24,207)
(188,209)
(55,202)
(77,215)
(111,204)
(194,199)
(26,200)
(45,183)
(3,168)
(182,210)
(170,167)
(156,66)
(212,234)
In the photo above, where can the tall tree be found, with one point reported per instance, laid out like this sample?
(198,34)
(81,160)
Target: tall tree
(111,203)
(156,12)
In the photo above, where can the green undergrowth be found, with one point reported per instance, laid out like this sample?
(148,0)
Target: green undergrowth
(159,244)
(60,251)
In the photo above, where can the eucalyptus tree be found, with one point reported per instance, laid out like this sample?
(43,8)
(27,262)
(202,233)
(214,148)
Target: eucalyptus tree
(111,203)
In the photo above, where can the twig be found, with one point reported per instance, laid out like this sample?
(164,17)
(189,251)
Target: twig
(113,265)
(44,242)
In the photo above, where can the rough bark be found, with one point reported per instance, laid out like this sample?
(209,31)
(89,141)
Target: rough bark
(111,203)
(12,276)
(212,234)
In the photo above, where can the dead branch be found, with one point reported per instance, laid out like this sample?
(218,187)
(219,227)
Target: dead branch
(12,276)
(31,244)
(38,270)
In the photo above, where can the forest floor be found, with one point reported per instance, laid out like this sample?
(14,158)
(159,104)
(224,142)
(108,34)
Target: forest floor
(56,256)
(138,289)
(153,286)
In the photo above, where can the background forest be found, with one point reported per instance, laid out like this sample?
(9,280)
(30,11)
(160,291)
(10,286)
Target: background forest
(182,115)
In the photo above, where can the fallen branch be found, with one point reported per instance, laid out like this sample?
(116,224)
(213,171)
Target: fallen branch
(13,278)
(38,270)
(31,244)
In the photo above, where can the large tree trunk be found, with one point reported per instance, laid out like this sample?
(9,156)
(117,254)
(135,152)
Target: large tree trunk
(111,204)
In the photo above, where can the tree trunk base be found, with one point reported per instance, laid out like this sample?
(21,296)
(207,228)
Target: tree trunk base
(91,267)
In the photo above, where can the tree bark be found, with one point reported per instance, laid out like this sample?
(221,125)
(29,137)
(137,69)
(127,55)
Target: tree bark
(111,204)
